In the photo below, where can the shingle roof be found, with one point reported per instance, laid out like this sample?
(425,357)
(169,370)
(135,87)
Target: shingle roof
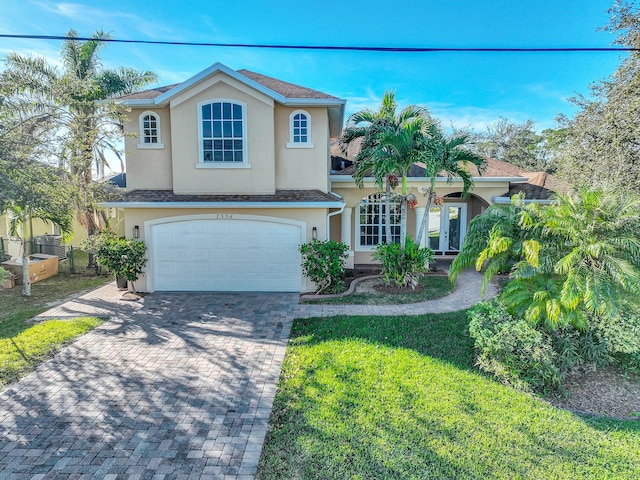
(498,168)
(281,196)
(539,186)
(495,168)
(535,185)
(288,90)
(148,94)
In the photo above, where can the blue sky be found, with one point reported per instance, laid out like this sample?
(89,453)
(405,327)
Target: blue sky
(465,89)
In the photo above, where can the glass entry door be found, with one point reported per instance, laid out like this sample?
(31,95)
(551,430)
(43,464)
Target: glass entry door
(447,228)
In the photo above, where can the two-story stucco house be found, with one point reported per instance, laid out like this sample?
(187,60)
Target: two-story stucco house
(230,171)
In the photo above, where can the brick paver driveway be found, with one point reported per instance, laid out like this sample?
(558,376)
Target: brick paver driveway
(177,386)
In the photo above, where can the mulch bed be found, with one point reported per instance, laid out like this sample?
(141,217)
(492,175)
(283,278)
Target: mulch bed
(606,392)
(351,275)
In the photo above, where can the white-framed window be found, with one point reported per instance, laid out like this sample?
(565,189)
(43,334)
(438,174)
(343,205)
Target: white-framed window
(223,139)
(372,224)
(300,130)
(150,133)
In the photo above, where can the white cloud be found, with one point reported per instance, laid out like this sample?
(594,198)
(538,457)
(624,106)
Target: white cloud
(114,20)
(477,118)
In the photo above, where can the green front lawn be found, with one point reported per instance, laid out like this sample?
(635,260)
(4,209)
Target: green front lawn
(24,344)
(435,286)
(398,398)
(16,309)
(20,353)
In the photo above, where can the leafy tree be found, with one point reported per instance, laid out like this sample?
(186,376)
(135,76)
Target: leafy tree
(30,188)
(33,190)
(599,146)
(514,143)
(86,125)
(447,156)
(387,138)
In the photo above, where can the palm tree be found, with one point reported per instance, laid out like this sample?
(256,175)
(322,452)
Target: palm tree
(400,149)
(496,240)
(76,97)
(448,156)
(574,260)
(370,128)
(592,236)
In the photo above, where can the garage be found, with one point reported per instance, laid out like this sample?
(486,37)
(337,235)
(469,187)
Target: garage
(225,253)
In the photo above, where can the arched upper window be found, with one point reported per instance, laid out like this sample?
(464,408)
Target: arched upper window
(222,133)
(300,130)
(372,223)
(150,133)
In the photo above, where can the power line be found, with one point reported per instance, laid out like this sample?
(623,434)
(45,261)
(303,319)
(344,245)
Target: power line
(328,47)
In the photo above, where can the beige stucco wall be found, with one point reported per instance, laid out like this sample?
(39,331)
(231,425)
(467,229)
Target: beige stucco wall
(259,177)
(302,168)
(273,165)
(482,194)
(148,168)
(311,218)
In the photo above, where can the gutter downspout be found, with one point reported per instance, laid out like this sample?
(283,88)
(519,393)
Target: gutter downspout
(334,213)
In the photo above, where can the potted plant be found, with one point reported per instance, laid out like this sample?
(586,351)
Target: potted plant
(124,257)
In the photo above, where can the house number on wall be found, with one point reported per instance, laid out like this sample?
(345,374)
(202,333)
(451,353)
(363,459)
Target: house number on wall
(223,216)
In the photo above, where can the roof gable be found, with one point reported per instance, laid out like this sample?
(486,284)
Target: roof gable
(285,93)
(282,92)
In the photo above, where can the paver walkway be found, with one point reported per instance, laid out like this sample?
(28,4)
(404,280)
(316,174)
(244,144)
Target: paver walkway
(466,294)
(174,386)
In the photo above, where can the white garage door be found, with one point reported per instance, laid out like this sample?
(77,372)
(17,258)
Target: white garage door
(226,254)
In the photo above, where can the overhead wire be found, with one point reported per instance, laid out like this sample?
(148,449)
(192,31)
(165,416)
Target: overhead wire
(327,47)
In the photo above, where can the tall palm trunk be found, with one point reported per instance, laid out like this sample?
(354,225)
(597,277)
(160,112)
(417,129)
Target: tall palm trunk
(425,215)
(26,281)
(403,213)
(387,213)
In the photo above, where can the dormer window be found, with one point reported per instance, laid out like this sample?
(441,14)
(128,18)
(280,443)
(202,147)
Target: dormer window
(150,134)
(300,130)
(222,134)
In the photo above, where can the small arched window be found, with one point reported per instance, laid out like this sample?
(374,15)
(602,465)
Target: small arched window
(150,133)
(300,130)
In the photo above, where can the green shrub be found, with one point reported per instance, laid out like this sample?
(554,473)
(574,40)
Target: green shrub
(122,256)
(575,348)
(403,267)
(513,350)
(323,263)
(621,332)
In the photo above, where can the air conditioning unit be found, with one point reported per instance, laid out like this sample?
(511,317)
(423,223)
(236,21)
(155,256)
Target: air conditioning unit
(52,245)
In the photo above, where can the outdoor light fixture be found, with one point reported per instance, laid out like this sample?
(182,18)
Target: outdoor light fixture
(136,232)
(314,233)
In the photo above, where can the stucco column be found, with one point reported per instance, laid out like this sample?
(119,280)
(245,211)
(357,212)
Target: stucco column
(419,214)
(345,234)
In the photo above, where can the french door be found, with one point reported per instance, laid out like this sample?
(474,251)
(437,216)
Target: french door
(447,228)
